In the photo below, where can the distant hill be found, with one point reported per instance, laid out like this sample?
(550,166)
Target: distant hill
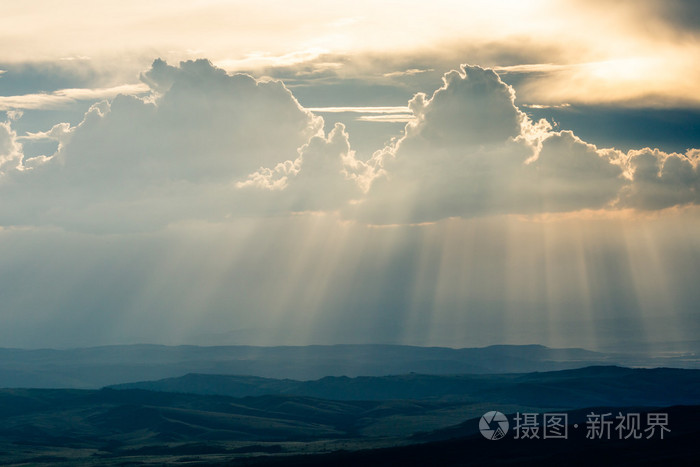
(100,366)
(591,386)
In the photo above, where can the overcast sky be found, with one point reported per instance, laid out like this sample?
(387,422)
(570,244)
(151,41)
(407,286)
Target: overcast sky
(451,173)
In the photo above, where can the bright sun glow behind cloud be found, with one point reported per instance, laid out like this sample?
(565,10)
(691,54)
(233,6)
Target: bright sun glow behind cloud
(602,46)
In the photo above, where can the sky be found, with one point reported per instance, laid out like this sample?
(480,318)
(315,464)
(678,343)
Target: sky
(288,173)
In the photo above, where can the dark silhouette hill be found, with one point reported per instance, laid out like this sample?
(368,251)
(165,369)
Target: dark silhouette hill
(591,386)
(678,448)
(141,427)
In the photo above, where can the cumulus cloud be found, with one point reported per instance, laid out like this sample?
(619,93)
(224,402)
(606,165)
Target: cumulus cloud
(209,145)
(569,174)
(662,180)
(10,148)
(176,154)
(472,107)
(325,176)
(472,152)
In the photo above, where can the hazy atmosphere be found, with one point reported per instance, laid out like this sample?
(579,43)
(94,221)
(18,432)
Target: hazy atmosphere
(443,174)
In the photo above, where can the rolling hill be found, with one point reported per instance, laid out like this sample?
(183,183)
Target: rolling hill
(336,418)
(600,385)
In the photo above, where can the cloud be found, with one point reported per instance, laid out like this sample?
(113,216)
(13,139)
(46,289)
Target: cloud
(543,106)
(386,118)
(325,176)
(473,108)
(135,162)
(569,174)
(409,72)
(64,97)
(205,144)
(662,180)
(671,18)
(10,148)
(472,152)
(57,132)
(383,114)
(363,110)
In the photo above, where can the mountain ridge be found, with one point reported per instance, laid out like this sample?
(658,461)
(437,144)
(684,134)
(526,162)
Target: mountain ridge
(595,385)
(95,367)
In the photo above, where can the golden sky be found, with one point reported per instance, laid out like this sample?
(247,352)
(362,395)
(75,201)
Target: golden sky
(590,52)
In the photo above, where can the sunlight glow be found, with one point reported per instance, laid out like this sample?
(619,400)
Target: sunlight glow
(239,36)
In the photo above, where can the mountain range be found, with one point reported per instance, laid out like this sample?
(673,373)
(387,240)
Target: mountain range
(591,386)
(95,367)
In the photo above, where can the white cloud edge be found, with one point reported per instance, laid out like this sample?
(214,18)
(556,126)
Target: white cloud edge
(65,97)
